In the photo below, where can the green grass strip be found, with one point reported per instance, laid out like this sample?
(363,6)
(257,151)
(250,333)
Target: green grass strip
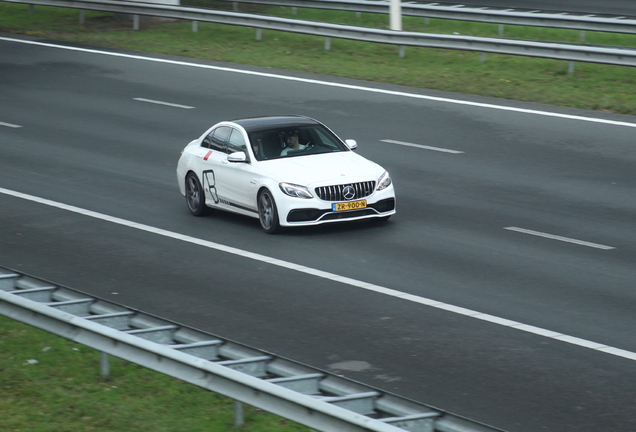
(51,384)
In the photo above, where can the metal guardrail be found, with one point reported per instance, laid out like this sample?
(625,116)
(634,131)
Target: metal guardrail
(559,51)
(309,396)
(562,20)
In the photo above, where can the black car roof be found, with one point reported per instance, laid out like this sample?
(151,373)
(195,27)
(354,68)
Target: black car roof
(254,124)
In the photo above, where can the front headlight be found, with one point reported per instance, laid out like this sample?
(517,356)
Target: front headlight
(384,181)
(295,190)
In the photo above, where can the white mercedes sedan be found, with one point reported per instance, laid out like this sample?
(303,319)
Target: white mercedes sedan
(283,170)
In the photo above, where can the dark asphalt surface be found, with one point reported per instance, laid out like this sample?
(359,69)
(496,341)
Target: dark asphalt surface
(85,142)
(605,7)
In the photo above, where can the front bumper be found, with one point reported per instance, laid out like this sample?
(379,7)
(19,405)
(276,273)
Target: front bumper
(316,211)
(385,207)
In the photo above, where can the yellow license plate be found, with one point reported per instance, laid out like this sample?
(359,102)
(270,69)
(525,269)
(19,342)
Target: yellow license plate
(351,205)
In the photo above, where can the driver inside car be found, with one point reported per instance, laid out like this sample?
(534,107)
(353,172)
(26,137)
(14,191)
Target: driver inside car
(292,143)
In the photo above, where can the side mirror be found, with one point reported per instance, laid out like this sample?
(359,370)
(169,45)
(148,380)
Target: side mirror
(237,157)
(352,144)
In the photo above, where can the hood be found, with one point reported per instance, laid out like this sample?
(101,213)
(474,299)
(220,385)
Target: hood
(327,168)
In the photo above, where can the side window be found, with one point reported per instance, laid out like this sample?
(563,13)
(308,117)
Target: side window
(207,140)
(217,139)
(236,142)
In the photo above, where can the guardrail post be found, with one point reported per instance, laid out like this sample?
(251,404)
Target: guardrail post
(582,35)
(259,34)
(31,9)
(104,365)
(500,30)
(294,10)
(395,15)
(570,67)
(82,16)
(402,51)
(327,43)
(482,57)
(135,22)
(427,21)
(238,414)
(235,6)
(195,26)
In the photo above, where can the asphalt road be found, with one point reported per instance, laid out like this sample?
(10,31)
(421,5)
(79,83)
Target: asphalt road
(608,7)
(72,132)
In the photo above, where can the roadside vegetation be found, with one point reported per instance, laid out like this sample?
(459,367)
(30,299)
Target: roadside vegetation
(591,86)
(51,384)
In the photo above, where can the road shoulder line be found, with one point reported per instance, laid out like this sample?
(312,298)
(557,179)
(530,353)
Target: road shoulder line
(333,277)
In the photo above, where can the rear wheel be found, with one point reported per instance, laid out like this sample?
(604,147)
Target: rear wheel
(195,197)
(267,213)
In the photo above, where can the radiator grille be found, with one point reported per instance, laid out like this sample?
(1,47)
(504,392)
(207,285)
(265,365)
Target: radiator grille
(336,192)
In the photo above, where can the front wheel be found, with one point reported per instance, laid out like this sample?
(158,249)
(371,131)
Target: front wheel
(195,197)
(267,213)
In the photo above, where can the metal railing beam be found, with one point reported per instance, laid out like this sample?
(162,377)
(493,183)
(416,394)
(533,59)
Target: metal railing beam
(202,373)
(212,363)
(486,15)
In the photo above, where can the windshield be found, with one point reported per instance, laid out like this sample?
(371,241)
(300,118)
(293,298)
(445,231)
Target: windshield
(290,141)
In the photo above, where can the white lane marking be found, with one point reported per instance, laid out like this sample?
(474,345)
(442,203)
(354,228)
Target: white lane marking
(163,103)
(334,277)
(422,146)
(331,84)
(10,125)
(563,239)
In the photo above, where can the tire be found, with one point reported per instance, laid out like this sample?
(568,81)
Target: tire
(267,213)
(195,197)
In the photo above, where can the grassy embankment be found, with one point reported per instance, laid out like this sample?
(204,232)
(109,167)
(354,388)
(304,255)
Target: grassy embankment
(591,86)
(50,384)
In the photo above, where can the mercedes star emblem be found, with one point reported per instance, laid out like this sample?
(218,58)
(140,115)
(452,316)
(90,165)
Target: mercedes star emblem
(348,192)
